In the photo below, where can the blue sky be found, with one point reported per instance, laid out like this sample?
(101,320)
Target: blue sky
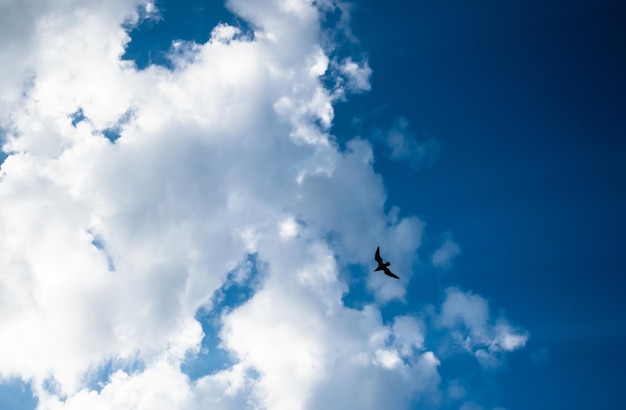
(526,99)
(212,211)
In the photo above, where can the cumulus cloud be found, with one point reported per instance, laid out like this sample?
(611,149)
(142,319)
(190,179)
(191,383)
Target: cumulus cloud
(110,246)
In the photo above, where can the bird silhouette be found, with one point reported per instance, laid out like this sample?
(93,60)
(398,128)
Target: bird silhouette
(383,266)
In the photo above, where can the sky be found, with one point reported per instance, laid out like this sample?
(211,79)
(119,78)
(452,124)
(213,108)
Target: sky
(192,192)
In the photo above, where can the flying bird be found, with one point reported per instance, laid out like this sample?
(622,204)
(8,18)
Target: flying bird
(383,266)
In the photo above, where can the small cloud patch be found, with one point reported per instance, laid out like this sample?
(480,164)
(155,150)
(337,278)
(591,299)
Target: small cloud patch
(357,75)
(404,145)
(443,257)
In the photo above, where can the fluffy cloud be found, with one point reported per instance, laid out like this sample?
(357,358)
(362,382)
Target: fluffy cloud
(358,75)
(469,318)
(110,248)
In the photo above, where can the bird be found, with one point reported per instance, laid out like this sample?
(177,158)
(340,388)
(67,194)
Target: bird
(383,266)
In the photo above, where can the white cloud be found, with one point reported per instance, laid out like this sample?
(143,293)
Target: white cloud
(357,75)
(468,315)
(224,33)
(466,308)
(288,228)
(443,257)
(109,249)
(161,386)
(408,334)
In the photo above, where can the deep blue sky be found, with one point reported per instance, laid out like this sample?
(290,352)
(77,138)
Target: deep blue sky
(527,101)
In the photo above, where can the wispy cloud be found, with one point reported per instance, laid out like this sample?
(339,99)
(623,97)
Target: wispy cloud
(445,254)
(404,145)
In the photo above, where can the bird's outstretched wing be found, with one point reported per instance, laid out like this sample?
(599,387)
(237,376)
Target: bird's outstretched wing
(377,256)
(390,273)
